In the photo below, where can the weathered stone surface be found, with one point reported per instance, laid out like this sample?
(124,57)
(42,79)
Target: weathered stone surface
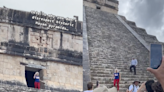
(21,36)
(86,62)
(104,5)
(112,45)
(55,75)
(27,44)
(8,87)
(63,75)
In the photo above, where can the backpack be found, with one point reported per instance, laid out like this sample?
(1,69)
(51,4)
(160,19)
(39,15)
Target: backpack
(128,89)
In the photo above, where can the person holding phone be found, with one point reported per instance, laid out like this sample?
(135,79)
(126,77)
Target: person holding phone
(133,65)
(146,86)
(159,73)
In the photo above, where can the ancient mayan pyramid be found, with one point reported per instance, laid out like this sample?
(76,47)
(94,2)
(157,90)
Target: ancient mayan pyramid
(110,41)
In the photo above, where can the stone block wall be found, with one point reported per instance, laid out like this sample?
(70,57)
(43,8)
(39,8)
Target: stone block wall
(55,75)
(39,38)
(103,7)
(20,35)
(64,76)
(11,70)
(118,43)
(45,44)
(142,32)
(112,45)
(35,41)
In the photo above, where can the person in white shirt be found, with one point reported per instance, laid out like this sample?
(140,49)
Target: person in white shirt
(134,87)
(133,65)
(90,87)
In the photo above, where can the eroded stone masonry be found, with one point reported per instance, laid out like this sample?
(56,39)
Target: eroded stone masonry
(34,41)
(111,41)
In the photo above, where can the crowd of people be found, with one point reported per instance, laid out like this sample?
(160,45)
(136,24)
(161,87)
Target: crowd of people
(147,86)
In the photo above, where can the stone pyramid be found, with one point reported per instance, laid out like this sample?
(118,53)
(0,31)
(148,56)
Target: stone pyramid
(110,41)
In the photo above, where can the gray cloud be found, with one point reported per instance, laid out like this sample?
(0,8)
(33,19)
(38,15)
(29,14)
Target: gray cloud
(147,14)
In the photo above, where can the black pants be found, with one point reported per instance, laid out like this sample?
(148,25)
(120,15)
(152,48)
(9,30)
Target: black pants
(134,67)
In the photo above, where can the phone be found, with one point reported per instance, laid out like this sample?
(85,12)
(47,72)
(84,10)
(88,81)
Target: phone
(155,55)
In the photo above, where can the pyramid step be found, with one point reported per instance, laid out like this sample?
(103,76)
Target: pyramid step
(150,38)
(140,31)
(122,72)
(126,76)
(123,79)
(131,23)
(111,68)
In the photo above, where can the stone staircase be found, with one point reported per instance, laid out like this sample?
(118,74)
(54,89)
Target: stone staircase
(111,45)
(142,32)
(103,74)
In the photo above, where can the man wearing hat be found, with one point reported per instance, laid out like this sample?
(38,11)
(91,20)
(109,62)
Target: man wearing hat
(134,87)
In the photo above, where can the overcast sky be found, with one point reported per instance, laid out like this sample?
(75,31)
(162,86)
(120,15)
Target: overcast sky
(148,14)
(64,8)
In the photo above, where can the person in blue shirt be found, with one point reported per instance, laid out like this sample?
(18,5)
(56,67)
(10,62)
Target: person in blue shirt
(117,78)
(37,80)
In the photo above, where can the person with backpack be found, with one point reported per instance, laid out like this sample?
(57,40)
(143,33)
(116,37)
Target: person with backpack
(134,87)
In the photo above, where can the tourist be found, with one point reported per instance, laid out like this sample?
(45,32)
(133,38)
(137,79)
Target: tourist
(37,80)
(159,73)
(105,89)
(134,87)
(90,87)
(133,65)
(146,86)
(157,87)
(150,86)
(116,79)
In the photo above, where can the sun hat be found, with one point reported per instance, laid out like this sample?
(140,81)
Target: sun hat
(136,81)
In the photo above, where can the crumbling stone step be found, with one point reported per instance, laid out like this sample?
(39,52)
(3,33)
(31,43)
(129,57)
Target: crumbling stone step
(131,23)
(15,88)
(110,81)
(126,76)
(122,73)
(123,79)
